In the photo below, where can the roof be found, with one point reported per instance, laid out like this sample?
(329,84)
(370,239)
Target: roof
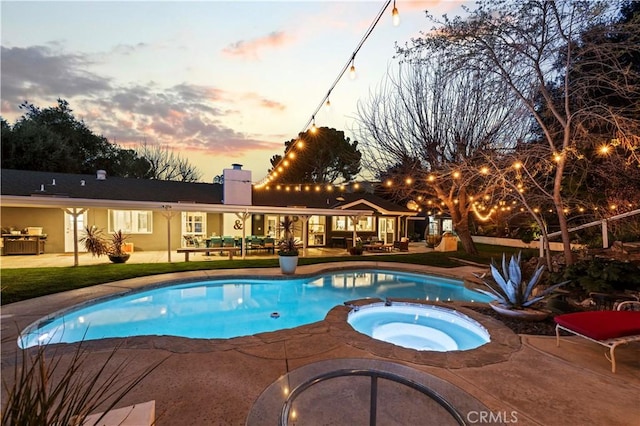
(36,184)
(32,183)
(327,200)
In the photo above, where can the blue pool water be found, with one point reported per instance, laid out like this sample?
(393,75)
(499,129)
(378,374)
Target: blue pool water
(236,307)
(420,327)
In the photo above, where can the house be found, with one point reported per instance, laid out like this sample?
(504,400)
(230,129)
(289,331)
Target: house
(164,215)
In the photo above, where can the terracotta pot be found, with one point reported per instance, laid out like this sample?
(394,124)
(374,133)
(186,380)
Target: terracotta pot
(526,314)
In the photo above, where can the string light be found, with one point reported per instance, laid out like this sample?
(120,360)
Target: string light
(395,16)
(500,207)
(479,215)
(604,149)
(349,65)
(352,70)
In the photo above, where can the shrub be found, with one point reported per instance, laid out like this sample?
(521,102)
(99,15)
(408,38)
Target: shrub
(602,275)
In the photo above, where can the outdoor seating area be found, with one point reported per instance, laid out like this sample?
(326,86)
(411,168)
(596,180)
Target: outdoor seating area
(378,246)
(230,251)
(227,245)
(252,243)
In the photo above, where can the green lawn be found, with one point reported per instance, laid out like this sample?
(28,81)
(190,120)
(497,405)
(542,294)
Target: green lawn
(26,283)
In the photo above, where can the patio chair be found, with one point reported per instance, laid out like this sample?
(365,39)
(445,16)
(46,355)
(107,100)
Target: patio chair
(270,244)
(607,328)
(215,242)
(402,245)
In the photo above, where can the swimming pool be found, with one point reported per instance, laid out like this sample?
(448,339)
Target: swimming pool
(227,308)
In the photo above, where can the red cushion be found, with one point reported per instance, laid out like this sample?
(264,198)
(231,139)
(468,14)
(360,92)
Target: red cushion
(602,325)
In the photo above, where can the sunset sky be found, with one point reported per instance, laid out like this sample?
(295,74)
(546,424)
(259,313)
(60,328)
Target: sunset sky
(220,82)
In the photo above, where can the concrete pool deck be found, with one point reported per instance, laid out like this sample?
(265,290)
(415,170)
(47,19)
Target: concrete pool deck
(526,380)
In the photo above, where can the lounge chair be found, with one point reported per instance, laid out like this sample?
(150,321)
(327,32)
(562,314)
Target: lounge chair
(606,328)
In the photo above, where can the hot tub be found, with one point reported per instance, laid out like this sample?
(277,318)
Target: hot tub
(420,327)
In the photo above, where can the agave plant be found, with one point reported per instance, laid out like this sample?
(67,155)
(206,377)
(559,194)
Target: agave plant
(510,290)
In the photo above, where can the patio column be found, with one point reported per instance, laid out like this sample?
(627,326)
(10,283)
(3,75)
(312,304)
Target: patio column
(354,219)
(243,217)
(305,237)
(168,214)
(75,212)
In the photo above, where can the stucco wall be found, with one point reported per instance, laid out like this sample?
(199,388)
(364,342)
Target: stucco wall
(50,220)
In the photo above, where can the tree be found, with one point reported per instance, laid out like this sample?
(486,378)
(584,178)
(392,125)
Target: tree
(321,156)
(165,164)
(52,139)
(426,127)
(532,47)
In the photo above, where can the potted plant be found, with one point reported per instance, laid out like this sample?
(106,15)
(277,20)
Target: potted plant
(96,243)
(288,248)
(512,295)
(358,249)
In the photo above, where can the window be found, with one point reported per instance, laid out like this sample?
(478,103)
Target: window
(194,224)
(131,221)
(317,230)
(345,223)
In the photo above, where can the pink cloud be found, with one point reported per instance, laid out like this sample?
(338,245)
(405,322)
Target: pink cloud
(266,103)
(249,48)
(263,102)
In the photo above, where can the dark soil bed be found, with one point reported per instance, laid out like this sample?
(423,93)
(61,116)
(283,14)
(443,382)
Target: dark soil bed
(541,328)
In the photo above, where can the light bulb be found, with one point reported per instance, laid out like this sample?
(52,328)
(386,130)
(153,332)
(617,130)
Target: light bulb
(395,16)
(328,103)
(352,71)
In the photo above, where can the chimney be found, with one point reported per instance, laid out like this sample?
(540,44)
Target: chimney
(101,175)
(236,186)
